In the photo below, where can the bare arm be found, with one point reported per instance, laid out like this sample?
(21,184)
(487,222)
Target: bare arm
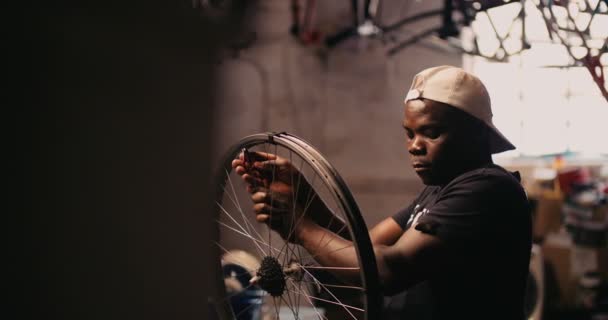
(387,232)
(403,258)
(411,259)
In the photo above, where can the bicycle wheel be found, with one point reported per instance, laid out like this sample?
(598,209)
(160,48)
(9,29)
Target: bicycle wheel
(244,249)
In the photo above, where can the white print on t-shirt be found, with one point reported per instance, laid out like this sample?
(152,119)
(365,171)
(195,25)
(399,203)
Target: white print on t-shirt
(418,212)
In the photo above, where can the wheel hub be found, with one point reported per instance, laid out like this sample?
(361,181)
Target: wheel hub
(271,277)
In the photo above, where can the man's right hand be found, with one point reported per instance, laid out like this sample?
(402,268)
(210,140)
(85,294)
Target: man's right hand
(271,180)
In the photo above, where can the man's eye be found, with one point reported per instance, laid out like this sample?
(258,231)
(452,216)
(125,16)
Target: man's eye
(432,133)
(409,134)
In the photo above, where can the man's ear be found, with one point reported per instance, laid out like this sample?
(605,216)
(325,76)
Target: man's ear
(479,135)
(484,133)
(484,136)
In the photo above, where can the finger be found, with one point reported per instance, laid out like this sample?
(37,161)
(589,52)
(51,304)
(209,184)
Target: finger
(252,180)
(273,220)
(255,188)
(238,162)
(259,197)
(265,208)
(279,202)
(261,208)
(276,209)
(267,166)
(240,170)
(262,218)
(262,156)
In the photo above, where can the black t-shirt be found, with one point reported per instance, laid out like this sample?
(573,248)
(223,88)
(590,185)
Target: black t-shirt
(483,217)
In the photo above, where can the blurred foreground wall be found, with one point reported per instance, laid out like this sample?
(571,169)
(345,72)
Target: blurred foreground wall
(118,99)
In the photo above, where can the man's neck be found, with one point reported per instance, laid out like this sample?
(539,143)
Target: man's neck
(469,166)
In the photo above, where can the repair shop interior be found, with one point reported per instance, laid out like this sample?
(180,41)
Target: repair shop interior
(332,160)
(335,73)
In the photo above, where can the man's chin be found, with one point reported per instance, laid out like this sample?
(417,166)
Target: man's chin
(428,179)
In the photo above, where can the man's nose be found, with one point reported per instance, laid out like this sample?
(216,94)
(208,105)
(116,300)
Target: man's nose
(415,146)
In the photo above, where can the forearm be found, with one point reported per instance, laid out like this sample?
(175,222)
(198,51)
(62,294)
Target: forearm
(318,211)
(330,250)
(392,274)
(339,256)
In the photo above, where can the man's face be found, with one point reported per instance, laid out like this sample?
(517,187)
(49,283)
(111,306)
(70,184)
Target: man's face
(434,140)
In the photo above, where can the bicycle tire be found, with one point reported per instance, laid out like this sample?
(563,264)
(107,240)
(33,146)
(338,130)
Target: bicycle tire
(370,295)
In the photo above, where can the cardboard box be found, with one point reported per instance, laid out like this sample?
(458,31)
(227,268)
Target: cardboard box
(568,262)
(547,216)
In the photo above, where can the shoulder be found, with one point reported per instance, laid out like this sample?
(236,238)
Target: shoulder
(488,189)
(488,180)
(466,210)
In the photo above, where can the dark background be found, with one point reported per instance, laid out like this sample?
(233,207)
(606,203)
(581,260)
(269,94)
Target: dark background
(117,108)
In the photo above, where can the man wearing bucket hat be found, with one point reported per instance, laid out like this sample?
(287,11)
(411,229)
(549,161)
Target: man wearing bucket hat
(462,247)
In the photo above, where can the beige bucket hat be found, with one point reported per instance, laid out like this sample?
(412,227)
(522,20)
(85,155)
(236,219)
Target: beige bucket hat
(462,90)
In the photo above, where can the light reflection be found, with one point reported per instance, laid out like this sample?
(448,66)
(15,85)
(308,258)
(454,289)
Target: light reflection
(544,110)
(541,101)
(582,20)
(599,27)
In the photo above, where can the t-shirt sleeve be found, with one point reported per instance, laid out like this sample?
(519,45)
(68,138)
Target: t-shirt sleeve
(402,216)
(468,212)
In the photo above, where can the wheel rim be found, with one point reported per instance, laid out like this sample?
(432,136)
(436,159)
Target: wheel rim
(288,283)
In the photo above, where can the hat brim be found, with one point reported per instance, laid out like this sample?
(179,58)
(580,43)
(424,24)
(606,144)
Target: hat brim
(498,142)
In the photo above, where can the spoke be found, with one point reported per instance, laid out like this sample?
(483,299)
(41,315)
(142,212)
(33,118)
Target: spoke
(292,211)
(299,283)
(295,315)
(337,286)
(346,307)
(232,254)
(239,208)
(329,268)
(243,311)
(330,240)
(295,299)
(292,282)
(333,216)
(277,309)
(294,257)
(333,296)
(274,169)
(295,197)
(299,253)
(236,203)
(241,227)
(270,213)
(248,236)
(290,249)
(310,301)
(310,197)
(318,254)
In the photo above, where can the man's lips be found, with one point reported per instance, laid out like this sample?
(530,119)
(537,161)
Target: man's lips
(421,166)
